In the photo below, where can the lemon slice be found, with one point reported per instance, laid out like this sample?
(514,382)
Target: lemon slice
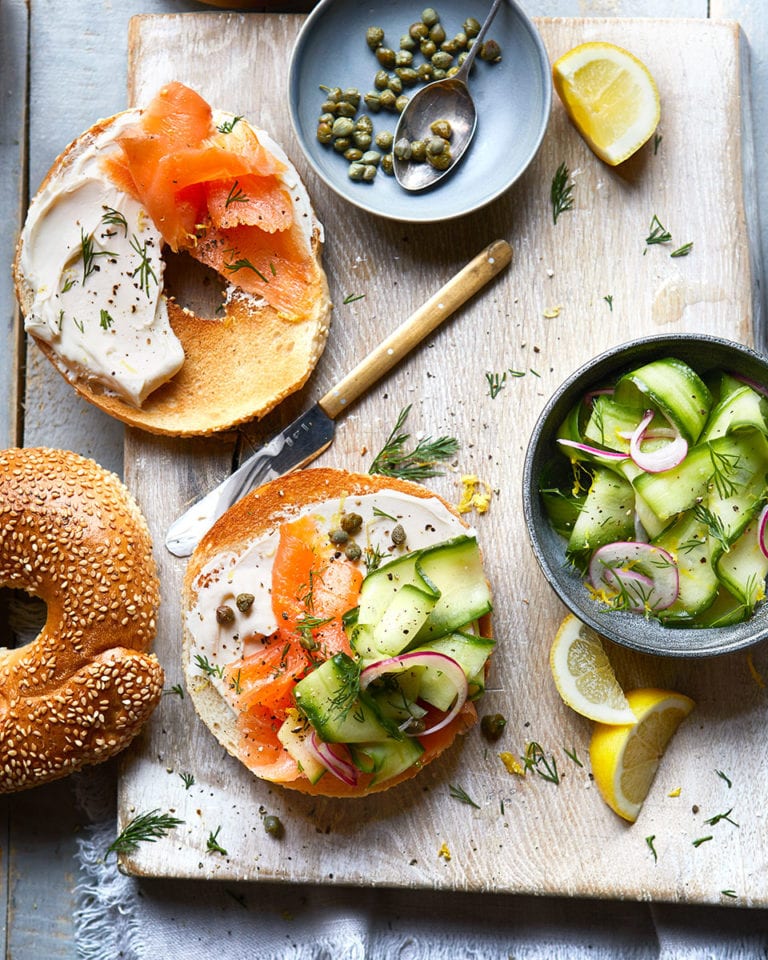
(625,759)
(583,674)
(610,96)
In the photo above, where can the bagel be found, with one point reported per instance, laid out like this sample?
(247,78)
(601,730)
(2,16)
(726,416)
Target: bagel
(257,621)
(72,535)
(91,262)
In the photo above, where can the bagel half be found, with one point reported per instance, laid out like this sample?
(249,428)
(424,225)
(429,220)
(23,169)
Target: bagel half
(237,554)
(71,534)
(218,370)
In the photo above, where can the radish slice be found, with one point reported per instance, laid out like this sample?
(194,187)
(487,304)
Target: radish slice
(645,577)
(452,670)
(595,451)
(335,757)
(666,457)
(762,531)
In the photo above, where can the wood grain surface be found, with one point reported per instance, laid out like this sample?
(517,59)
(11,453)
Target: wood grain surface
(549,312)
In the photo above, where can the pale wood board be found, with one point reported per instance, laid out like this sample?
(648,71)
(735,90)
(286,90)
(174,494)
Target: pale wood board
(528,835)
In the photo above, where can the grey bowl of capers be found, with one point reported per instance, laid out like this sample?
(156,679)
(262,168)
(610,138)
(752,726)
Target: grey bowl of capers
(353,67)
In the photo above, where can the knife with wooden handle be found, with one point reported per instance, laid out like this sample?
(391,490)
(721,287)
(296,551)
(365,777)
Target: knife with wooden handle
(312,432)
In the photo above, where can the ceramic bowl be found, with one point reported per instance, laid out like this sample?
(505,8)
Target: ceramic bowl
(704,354)
(513,99)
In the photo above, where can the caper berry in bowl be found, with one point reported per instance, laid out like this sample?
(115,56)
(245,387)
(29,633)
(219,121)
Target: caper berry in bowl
(354,60)
(645,493)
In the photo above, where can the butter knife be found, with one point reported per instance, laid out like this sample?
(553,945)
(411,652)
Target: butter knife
(312,432)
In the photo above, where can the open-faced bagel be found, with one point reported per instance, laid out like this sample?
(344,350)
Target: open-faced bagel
(238,554)
(240,357)
(72,535)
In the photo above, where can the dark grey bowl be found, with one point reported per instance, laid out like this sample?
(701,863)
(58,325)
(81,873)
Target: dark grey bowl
(703,353)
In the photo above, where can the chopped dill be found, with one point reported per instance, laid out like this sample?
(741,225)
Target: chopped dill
(459,793)
(114,218)
(212,843)
(535,759)
(561,192)
(245,264)
(698,843)
(495,383)
(609,300)
(188,779)
(228,125)
(209,669)
(352,297)
(89,255)
(106,320)
(649,842)
(723,776)
(721,816)
(144,269)
(657,232)
(236,195)
(683,251)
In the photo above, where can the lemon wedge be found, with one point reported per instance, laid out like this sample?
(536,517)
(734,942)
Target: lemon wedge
(583,674)
(625,758)
(610,96)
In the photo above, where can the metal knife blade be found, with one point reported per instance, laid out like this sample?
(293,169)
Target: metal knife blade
(312,432)
(300,442)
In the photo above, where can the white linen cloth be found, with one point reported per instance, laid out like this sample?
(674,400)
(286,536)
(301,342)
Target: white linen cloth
(124,918)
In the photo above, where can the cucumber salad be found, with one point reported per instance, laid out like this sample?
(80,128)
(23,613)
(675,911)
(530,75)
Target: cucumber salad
(664,509)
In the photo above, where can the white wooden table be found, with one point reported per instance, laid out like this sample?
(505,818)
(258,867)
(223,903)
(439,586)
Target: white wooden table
(63,64)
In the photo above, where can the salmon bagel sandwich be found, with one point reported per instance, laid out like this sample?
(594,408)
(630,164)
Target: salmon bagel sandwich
(175,177)
(336,630)
(72,535)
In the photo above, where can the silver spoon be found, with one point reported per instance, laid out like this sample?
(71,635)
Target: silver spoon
(447,99)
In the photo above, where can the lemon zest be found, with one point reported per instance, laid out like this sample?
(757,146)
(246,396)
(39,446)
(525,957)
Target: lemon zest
(675,793)
(475,494)
(510,762)
(754,672)
(552,313)
(444,852)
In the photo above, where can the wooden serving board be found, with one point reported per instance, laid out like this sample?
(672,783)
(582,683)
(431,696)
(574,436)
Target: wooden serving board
(574,289)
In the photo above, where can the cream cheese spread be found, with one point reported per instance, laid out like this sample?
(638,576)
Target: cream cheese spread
(93,259)
(426,521)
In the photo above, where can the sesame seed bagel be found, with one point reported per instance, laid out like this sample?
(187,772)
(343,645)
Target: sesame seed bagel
(72,535)
(212,578)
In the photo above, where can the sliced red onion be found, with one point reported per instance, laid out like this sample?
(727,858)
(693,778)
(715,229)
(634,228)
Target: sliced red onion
(762,530)
(335,757)
(423,658)
(604,392)
(645,574)
(759,387)
(665,458)
(595,451)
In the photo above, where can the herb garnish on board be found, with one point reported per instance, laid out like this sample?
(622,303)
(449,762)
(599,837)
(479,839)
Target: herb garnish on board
(393,460)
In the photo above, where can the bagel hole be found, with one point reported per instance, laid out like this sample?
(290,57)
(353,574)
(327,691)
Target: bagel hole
(194,286)
(22,617)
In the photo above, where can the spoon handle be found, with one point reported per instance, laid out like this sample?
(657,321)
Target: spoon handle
(467,65)
(412,331)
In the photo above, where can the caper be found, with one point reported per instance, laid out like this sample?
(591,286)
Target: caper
(471,27)
(442,128)
(441,161)
(326,118)
(462,57)
(424,72)
(381,80)
(369,172)
(461,40)
(386,57)
(407,42)
(361,139)
(244,602)
(453,71)
(374,37)
(450,46)
(490,51)
(355,171)
(351,95)
(338,536)
(428,48)
(439,74)
(352,551)
(225,614)
(408,76)
(372,102)
(388,164)
(273,826)
(492,725)
(430,16)
(418,30)
(387,100)
(437,33)
(383,141)
(416,725)
(329,106)
(324,132)
(341,144)
(401,103)
(332,94)
(353,154)
(398,534)
(418,151)
(395,84)
(364,123)
(342,127)
(372,156)
(402,149)
(404,58)
(351,522)
(435,146)
(442,60)
(345,109)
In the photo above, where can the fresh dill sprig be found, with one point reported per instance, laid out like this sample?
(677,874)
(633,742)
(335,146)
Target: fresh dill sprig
(609,300)
(561,192)
(657,232)
(188,779)
(209,669)
(245,264)
(234,684)
(649,842)
(713,523)
(68,284)
(342,701)
(80,324)
(393,460)
(572,755)
(351,297)
(372,557)
(236,195)
(89,255)
(105,321)
(683,251)
(143,828)
(724,466)
(535,759)
(212,843)
(459,793)
(721,816)
(176,689)
(144,269)
(729,893)
(723,776)
(228,125)
(496,383)
(114,218)
(378,512)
